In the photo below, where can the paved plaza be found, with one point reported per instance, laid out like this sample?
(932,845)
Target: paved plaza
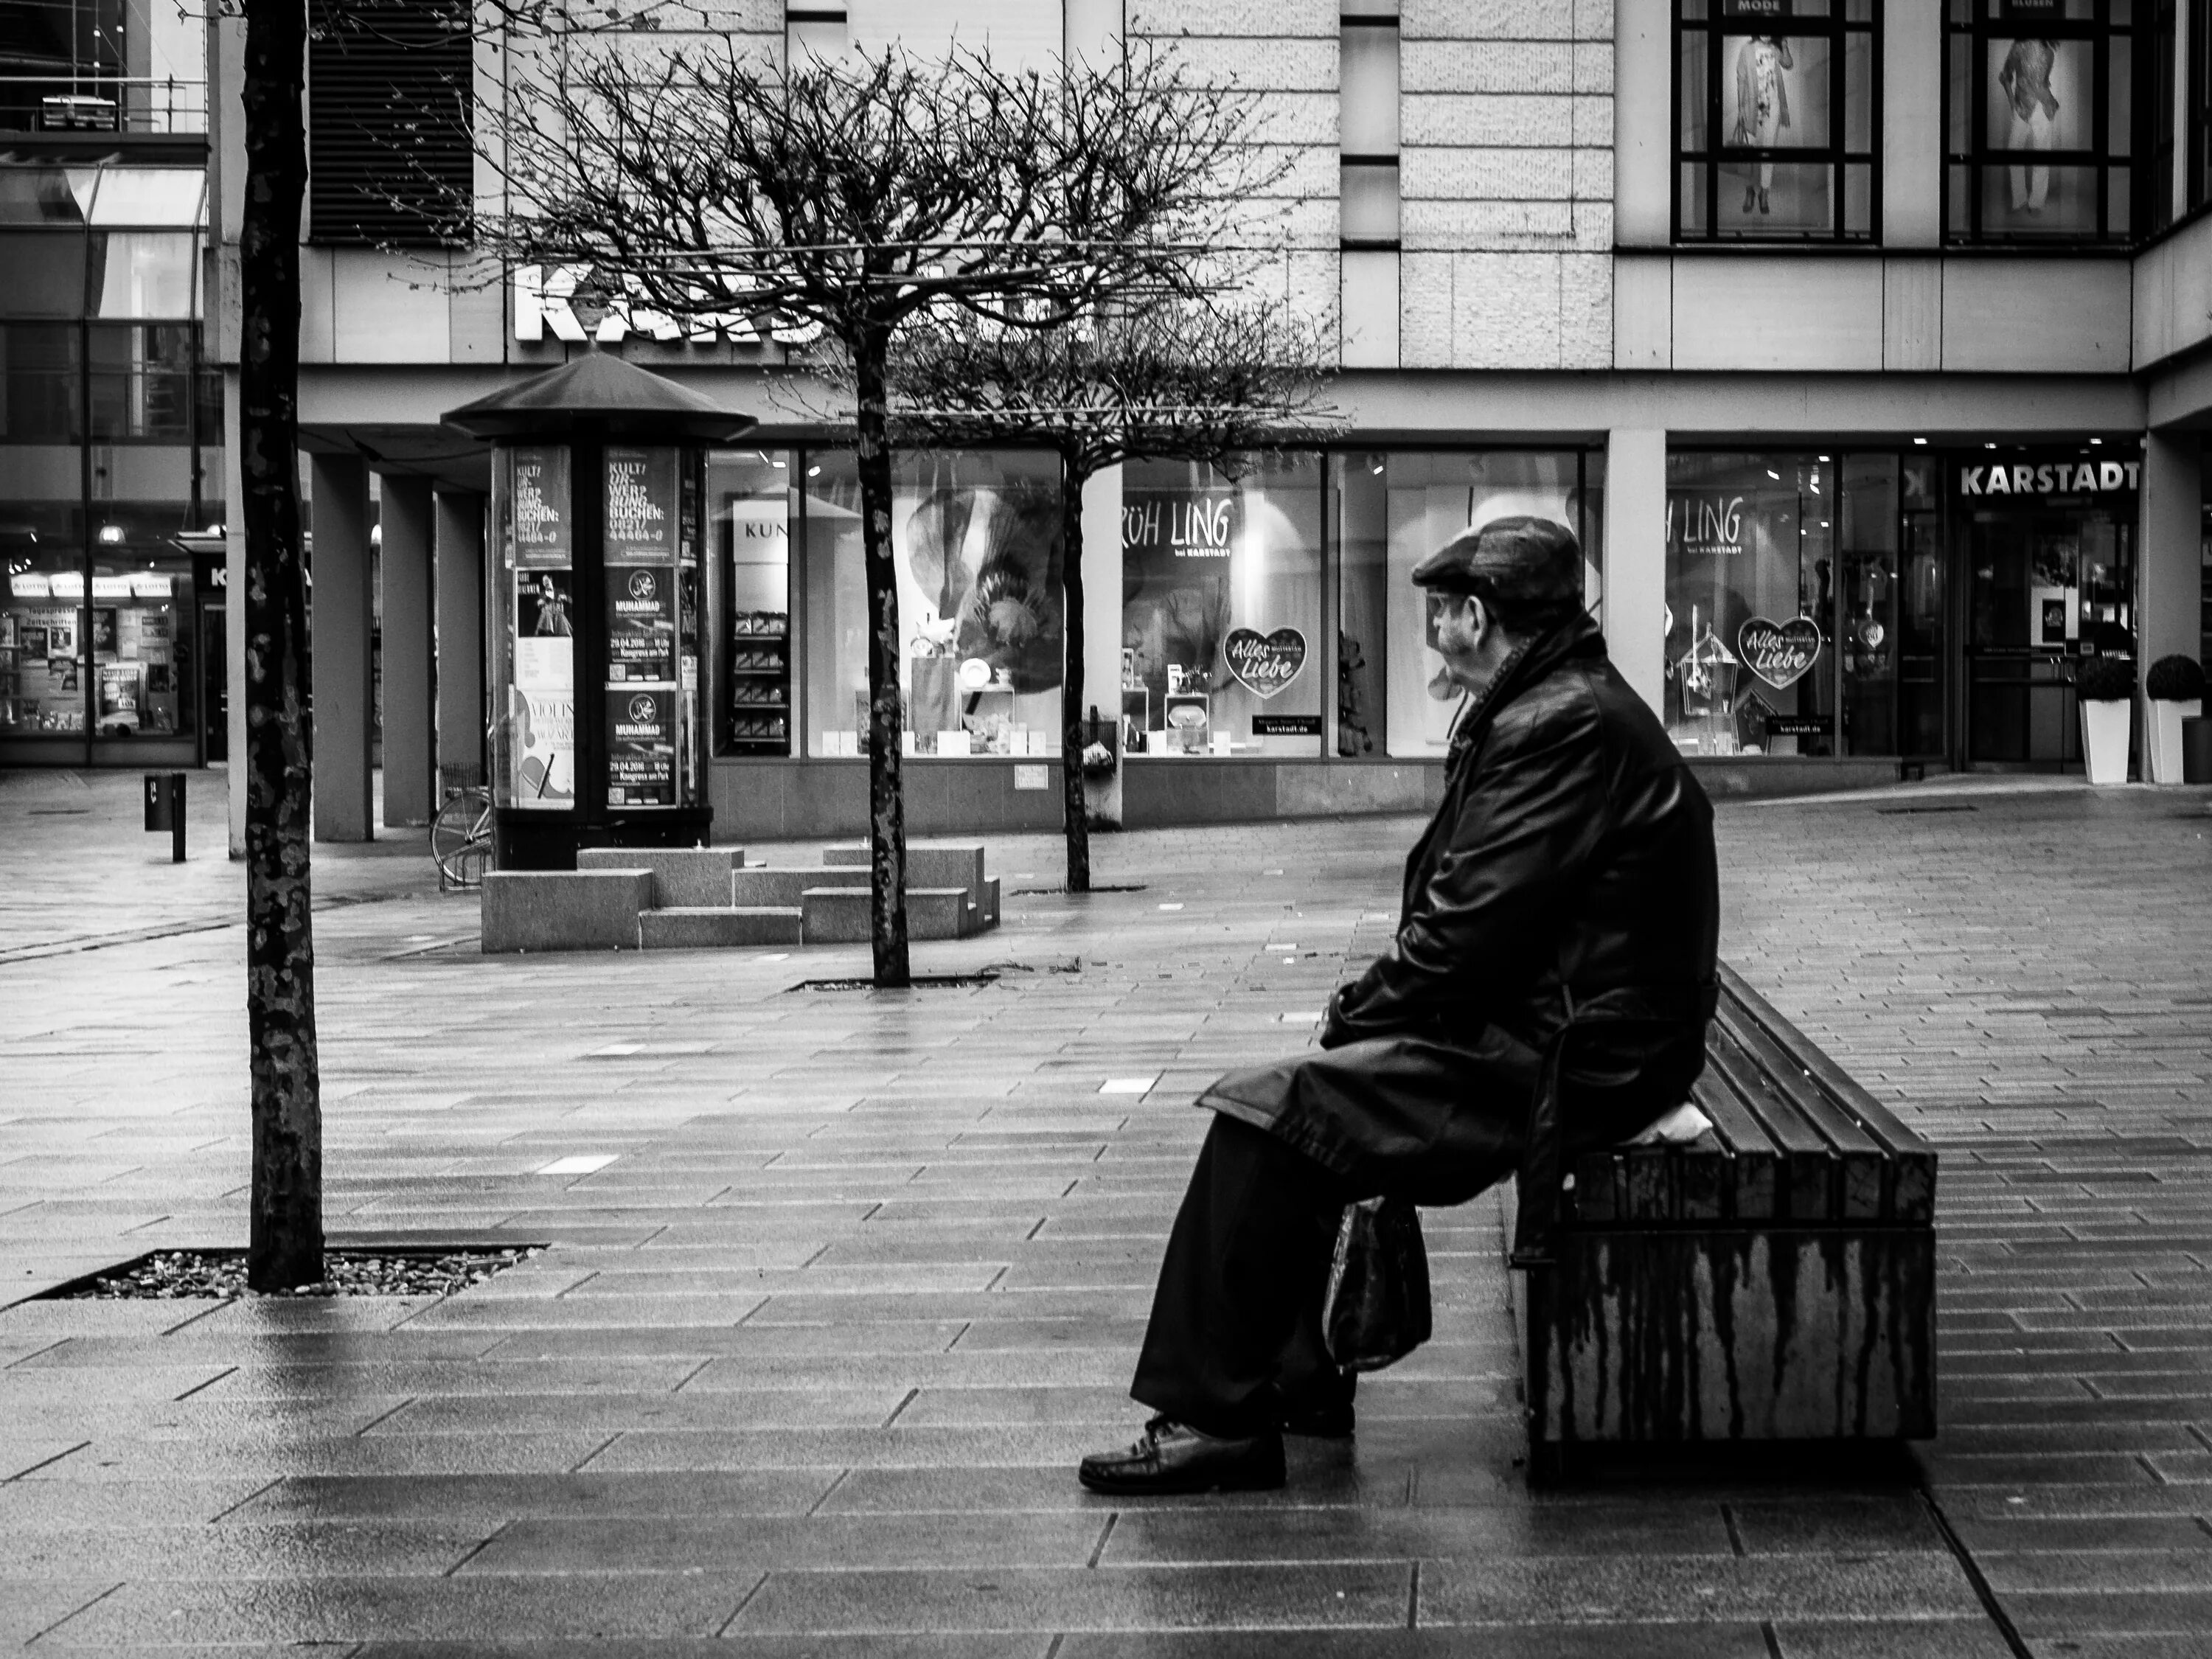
(845,1282)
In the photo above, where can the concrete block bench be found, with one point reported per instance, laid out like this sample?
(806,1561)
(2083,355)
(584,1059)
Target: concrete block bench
(682,876)
(1773,1279)
(563,909)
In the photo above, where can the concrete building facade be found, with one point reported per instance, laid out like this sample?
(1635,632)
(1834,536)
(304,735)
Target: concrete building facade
(1864,342)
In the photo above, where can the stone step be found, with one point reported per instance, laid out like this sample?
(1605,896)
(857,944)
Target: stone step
(683,877)
(711,927)
(927,865)
(839,916)
(780,889)
(563,909)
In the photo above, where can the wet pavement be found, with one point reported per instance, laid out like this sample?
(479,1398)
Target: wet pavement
(853,1278)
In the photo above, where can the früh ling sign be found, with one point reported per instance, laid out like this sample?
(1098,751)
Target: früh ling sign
(564,303)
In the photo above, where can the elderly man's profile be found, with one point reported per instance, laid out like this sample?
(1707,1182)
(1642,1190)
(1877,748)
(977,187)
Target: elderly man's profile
(1555,949)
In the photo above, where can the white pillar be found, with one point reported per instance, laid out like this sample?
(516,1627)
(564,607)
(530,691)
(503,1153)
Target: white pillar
(1636,558)
(460,640)
(404,576)
(1101,618)
(338,633)
(2169,577)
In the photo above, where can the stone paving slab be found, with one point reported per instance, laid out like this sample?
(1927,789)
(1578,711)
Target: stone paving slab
(806,1366)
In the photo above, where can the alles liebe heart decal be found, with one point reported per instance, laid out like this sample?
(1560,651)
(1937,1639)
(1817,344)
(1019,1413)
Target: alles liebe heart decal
(1265,663)
(1779,652)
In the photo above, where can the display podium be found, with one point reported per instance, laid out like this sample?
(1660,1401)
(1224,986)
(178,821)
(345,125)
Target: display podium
(593,581)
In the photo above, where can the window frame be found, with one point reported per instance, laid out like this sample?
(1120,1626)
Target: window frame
(1710,18)
(1977,23)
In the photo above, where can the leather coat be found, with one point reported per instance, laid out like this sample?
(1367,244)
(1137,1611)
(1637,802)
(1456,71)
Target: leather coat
(1567,876)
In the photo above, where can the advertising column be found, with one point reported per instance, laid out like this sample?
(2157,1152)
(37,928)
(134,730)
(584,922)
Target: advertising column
(642,730)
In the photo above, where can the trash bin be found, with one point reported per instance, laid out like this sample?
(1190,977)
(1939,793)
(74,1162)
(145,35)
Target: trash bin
(2197,748)
(165,810)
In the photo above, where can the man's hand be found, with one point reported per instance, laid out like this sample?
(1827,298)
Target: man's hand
(1335,1030)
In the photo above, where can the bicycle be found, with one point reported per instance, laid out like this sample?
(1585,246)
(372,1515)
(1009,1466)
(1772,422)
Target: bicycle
(460,838)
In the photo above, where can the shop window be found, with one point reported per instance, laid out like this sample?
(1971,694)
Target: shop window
(975,542)
(1391,512)
(140,659)
(749,499)
(1221,584)
(42,664)
(1790,616)
(1777,103)
(2039,120)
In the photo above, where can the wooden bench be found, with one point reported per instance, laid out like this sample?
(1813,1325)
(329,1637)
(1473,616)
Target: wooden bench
(1773,1279)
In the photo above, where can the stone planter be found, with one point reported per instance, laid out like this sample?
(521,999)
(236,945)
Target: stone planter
(2163,739)
(2105,729)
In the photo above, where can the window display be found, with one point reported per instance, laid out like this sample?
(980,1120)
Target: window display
(2041,120)
(975,543)
(1750,667)
(1221,609)
(1392,512)
(141,649)
(749,493)
(42,664)
(1775,103)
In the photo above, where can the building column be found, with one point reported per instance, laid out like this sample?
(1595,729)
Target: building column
(2169,576)
(1102,621)
(460,641)
(1636,559)
(338,636)
(234,613)
(404,579)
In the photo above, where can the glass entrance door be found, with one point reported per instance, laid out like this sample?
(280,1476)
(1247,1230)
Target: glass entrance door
(2047,582)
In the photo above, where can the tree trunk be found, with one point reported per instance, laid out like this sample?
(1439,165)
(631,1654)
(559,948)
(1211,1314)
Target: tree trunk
(1075,811)
(286,1236)
(886,800)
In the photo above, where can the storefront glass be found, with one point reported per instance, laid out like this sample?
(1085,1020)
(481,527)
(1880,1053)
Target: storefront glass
(141,643)
(42,692)
(1221,586)
(2047,537)
(1393,510)
(749,496)
(975,541)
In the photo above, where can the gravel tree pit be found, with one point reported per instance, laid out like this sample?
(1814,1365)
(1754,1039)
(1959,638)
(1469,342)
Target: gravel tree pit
(408,1270)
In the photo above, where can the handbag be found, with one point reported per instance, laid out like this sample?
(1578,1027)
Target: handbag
(1377,1310)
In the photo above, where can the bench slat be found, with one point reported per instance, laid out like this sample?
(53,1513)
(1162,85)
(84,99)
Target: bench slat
(1914,1178)
(1749,1183)
(1859,1192)
(1806,1164)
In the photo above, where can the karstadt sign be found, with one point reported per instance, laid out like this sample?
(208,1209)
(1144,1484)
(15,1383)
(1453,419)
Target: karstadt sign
(2050,479)
(566,302)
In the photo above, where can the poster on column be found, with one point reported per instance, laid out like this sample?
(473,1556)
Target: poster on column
(540,510)
(640,624)
(544,626)
(640,733)
(543,747)
(640,517)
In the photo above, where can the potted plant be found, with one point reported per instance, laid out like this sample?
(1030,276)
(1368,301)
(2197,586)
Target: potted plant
(2106,686)
(2175,686)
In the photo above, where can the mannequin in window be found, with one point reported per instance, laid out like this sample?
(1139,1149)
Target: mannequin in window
(2026,79)
(1762,107)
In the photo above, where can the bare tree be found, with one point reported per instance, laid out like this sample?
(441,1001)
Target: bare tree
(1160,380)
(285,1241)
(860,194)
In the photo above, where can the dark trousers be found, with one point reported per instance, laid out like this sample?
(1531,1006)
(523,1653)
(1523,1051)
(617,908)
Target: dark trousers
(1235,1333)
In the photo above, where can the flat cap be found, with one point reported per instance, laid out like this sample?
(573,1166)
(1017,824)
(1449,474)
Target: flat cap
(1516,560)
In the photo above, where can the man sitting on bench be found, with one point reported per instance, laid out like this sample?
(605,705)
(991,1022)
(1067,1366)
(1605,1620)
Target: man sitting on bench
(1566,881)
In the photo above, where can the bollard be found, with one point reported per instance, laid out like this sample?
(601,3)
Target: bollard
(165,810)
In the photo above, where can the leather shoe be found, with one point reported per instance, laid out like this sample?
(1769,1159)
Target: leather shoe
(1172,1458)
